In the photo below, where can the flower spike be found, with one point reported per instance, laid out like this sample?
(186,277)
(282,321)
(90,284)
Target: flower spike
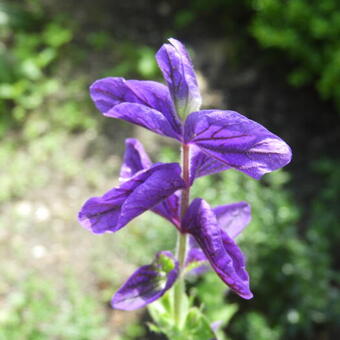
(211,141)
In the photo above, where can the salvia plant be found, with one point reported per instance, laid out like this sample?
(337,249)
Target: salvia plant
(211,141)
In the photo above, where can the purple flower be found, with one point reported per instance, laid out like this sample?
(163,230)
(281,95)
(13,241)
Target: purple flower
(219,139)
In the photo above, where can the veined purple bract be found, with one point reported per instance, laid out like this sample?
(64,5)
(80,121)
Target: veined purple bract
(213,141)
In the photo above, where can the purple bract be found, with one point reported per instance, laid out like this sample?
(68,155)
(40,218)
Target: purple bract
(221,251)
(120,205)
(148,283)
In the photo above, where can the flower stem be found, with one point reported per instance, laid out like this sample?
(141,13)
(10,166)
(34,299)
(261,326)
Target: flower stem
(179,289)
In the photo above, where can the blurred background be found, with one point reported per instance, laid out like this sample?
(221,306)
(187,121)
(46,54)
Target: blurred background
(276,61)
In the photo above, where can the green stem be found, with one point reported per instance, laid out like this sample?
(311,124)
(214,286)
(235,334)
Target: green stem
(179,289)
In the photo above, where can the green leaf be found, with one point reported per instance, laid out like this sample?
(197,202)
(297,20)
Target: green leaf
(161,312)
(197,326)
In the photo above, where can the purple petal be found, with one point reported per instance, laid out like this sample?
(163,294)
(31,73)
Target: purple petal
(175,63)
(169,209)
(109,92)
(144,116)
(142,192)
(148,283)
(237,141)
(135,159)
(233,218)
(222,252)
(203,164)
(195,254)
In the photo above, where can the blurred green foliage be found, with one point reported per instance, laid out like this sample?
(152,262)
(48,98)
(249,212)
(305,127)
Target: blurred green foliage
(220,12)
(37,310)
(30,46)
(197,326)
(308,32)
(134,61)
